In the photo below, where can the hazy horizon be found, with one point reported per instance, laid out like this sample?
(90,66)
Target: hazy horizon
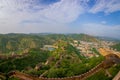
(93,17)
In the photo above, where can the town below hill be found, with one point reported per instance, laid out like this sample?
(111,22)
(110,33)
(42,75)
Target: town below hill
(57,56)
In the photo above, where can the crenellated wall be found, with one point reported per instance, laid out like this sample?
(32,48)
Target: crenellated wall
(24,76)
(109,61)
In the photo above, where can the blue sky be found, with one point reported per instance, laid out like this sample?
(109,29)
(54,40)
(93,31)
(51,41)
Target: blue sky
(94,17)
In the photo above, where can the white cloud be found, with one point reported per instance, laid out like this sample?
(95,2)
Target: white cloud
(33,28)
(103,22)
(29,16)
(15,12)
(63,11)
(41,27)
(101,29)
(107,6)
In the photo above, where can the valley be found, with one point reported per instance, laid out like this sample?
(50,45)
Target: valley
(54,56)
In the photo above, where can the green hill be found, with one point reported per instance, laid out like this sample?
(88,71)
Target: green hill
(63,61)
(17,43)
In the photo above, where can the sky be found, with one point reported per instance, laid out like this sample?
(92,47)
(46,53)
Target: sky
(94,17)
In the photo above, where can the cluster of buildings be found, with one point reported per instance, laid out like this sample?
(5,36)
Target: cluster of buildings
(87,49)
(90,49)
